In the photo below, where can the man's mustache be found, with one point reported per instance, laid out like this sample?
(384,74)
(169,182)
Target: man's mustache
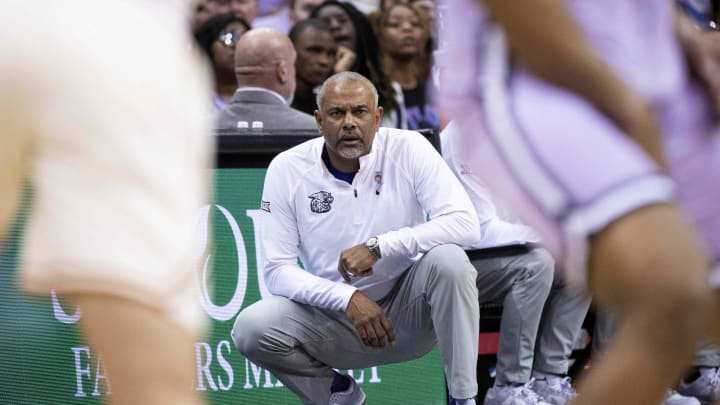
(350,137)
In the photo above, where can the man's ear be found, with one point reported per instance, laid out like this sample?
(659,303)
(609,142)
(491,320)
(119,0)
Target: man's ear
(281,71)
(379,111)
(318,119)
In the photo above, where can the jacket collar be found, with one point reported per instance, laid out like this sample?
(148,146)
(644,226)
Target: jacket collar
(256,95)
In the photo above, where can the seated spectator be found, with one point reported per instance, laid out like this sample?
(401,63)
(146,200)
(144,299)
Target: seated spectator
(404,34)
(316,53)
(217,38)
(541,317)
(265,71)
(358,51)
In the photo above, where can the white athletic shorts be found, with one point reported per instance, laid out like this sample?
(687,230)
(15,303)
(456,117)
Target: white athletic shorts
(112,104)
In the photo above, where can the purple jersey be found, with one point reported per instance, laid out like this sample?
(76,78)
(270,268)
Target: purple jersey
(566,167)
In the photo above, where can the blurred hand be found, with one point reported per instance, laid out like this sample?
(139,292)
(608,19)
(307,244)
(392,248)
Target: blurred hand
(345,59)
(704,56)
(356,262)
(370,321)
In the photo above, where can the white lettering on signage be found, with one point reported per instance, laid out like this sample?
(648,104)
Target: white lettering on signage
(100,374)
(203,367)
(204,359)
(374,378)
(229,310)
(225,366)
(59,313)
(82,371)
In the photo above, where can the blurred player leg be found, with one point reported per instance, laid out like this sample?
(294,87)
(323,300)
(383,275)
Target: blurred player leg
(659,285)
(146,355)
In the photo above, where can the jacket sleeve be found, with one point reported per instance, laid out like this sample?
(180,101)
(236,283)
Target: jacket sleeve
(280,242)
(452,217)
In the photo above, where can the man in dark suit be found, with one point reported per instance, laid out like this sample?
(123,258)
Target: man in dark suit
(265,71)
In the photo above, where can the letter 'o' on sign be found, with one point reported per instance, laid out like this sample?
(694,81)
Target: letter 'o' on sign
(230,309)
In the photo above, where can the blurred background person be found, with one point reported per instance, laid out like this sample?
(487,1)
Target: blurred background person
(358,51)
(217,38)
(404,33)
(316,53)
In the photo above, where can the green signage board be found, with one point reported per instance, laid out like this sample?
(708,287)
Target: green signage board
(43,360)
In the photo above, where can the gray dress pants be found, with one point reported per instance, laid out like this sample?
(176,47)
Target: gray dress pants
(523,284)
(563,316)
(434,302)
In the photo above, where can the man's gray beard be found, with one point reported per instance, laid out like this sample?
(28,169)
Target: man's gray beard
(350,153)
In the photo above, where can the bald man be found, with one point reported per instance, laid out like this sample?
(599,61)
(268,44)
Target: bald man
(265,72)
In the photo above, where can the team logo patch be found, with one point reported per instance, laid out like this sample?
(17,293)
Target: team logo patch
(320,202)
(265,205)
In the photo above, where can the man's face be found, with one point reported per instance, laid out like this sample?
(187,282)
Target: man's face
(348,120)
(316,51)
(302,8)
(246,9)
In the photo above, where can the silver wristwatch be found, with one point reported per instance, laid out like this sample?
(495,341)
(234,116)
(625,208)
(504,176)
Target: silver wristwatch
(373,245)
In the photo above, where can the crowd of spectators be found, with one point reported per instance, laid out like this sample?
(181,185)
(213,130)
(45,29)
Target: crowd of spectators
(390,44)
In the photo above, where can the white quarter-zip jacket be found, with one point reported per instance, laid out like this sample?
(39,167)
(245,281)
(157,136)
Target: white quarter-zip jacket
(498,227)
(308,213)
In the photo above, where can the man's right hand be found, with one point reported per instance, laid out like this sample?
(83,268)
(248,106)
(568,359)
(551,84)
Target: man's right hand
(370,321)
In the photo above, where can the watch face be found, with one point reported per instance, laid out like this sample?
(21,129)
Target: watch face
(373,245)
